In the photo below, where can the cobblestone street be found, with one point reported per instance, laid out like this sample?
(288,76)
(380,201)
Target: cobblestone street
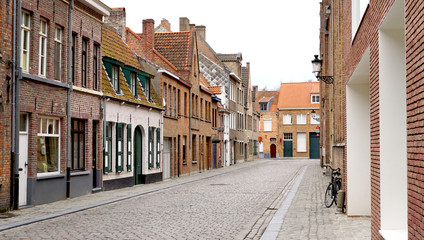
(233,203)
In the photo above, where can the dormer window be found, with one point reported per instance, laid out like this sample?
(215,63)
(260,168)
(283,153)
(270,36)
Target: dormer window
(115,79)
(147,89)
(314,98)
(133,85)
(263,107)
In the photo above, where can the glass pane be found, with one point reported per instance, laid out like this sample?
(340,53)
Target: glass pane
(50,126)
(25,42)
(81,151)
(56,126)
(23,123)
(43,125)
(47,154)
(75,151)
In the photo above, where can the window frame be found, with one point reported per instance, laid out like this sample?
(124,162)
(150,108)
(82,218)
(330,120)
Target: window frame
(58,36)
(96,53)
(315,98)
(55,134)
(84,65)
(133,83)
(42,50)
(298,142)
(313,118)
(268,128)
(285,116)
(73,59)
(301,118)
(115,78)
(25,38)
(80,132)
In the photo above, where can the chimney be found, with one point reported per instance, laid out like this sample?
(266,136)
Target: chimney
(117,19)
(184,24)
(254,93)
(201,30)
(148,37)
(165,24)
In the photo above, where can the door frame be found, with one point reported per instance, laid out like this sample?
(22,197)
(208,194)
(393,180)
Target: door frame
(23,163)
(137,139)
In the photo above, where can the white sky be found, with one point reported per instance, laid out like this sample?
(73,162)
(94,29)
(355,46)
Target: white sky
(277,37)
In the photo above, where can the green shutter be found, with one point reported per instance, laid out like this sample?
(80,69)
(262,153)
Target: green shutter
(150,147)
(157,147)
(142,80)
(119,147)
(107,152)
(129,147)
(127,74)
(108,67)
(255,147)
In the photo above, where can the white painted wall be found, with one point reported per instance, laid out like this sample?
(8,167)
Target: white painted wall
(393,132)
(143,117)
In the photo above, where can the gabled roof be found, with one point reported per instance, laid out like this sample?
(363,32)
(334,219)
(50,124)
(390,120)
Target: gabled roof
(114,48)
(215,89)
(213,73)
(266,96)
(204,84)
(175,47)
(297,95)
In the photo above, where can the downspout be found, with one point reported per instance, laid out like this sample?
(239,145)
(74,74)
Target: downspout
(16,77)
(68,106)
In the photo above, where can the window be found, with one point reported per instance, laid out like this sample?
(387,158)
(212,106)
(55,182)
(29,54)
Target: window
(193,149)
(129,148)
(119,146)
(133,87)
(273,139)
(301,118)
(157,147)
(267,124)
(301,142)
(288,136)
(185,104)
(314,98)
(58,53)
(174,102)
(184,150)
(78,144)
(107,156)
(96,66)
(84,62)
(179,102)
(287,119)
(73,51)
(147,89)
(43,48)
(115,79)
(263,107)
(150,147)
(48,140)
(315,118)
(25,35)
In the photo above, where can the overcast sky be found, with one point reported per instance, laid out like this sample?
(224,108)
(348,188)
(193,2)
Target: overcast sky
(277,37)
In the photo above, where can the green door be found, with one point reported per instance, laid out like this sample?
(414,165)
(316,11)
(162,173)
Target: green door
(314,146)
(137,156)
(288,148)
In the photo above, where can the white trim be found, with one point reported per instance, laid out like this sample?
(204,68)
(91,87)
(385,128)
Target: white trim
(169,73)
(85,90)
(98,6)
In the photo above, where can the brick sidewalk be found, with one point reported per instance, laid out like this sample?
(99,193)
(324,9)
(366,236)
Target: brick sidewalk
(308,218)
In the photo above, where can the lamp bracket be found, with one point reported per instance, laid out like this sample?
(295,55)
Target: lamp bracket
(326,79)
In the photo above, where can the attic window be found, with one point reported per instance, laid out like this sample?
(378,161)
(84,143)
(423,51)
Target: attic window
(115,79)
(263,107)
(314,98)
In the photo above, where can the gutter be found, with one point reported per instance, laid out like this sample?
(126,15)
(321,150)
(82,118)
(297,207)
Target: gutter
(68,107)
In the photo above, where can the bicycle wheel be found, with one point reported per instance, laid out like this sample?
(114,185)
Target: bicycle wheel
(329,197)
(338,185)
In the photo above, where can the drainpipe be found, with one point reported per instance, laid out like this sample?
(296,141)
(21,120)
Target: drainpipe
(68,107)
(16,77)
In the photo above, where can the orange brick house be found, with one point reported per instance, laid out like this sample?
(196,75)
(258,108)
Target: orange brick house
(298,114)
(268,135)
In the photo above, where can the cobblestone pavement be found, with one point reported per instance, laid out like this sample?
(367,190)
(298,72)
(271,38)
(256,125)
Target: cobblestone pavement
(229,206)
(237,202)
(308,218)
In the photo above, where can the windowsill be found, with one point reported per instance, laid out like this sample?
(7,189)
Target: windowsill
(80,173)
(194,162)
(184,163)
(52,176)
(394,234)
(86,90)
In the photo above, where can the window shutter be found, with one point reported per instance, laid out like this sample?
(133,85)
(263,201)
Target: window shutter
(142,80)
(107,161)
(255,147)
(108,67)
(119,146)
(129,147)
(157,147)
(150,147)
(127,74)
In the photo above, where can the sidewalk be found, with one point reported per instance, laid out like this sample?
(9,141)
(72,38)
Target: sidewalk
(55,209)
(308,218)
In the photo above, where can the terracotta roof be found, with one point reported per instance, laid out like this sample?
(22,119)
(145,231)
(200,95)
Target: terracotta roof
(113,47)
(298,95)
(204,84)
(175,47)
(265,96)
(215,89)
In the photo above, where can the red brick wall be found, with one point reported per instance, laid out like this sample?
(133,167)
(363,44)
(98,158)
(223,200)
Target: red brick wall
(6,13)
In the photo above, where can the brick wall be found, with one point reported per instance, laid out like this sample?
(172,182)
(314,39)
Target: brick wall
(6,13)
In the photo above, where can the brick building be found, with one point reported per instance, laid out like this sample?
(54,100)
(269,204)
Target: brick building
(383,154)
(269,121)
(6,98)
(299,119)
(60,128)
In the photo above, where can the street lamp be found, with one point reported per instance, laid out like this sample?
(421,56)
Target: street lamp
(316,69)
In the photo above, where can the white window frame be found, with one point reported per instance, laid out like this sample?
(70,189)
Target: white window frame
(301,142)
(25,39)
(42,59)
(301,118)
(315,118)
(288,136)
(287,119)
(54,134)
(314,98)
(115,78)
(58,40)
(133,81)
(268,126)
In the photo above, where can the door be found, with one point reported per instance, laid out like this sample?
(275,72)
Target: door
(138,155)
(214,155)
(23,159)
(314,146)
(94,157)
(208,153)
(273,151)
(288,148)
(166,158)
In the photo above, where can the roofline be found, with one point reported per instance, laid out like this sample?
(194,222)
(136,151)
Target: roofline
(129,101)
(235,76)
(162,70)
(299,108)
(98,6)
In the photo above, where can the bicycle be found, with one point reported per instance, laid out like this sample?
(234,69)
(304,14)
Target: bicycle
(333,188)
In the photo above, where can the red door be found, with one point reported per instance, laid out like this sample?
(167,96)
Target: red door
(273,151)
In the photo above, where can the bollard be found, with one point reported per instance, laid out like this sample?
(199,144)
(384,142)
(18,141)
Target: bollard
(340,201)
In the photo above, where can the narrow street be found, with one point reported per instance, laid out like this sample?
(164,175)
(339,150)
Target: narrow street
(236,204)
